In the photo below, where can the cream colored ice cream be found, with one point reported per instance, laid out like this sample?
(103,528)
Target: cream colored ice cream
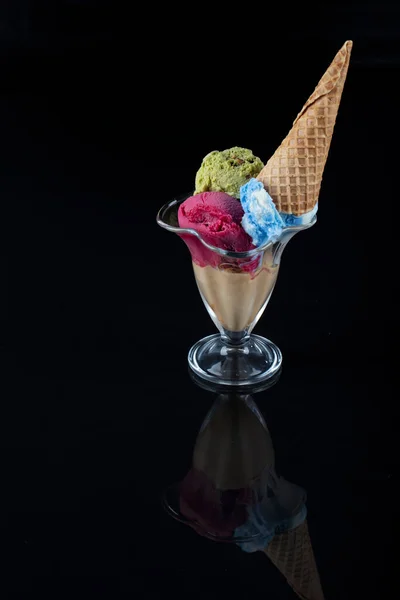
(236,297)
(234,448)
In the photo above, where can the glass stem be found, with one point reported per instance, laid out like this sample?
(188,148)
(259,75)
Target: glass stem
(235,339)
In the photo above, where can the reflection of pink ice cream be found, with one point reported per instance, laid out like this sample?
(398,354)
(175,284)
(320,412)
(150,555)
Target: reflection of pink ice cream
(268,505)
(218,512)
(216,216)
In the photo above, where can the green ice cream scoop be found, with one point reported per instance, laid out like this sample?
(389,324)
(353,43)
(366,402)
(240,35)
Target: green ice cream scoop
(227,171)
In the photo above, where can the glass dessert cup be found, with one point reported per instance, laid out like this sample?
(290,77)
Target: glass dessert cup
(232,492)
(231,463)
(235,288)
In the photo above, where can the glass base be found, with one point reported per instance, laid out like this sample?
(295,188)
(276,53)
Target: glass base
(249,364)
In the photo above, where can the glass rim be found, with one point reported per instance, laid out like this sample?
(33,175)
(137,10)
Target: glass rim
(228,253)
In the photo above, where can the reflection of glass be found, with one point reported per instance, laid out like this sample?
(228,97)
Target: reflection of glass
(235,288)
(232,493)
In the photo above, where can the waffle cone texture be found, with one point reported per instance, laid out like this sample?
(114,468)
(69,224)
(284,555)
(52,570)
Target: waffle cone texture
(293,175)
(292,553)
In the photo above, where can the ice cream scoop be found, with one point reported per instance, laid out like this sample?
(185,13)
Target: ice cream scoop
(217,217)
(291,220)
(261,219)
(267,519)
(227,170)
(208,509)
(282,508)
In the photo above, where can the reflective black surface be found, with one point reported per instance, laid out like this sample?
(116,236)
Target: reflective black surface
(89,453)
(99,308)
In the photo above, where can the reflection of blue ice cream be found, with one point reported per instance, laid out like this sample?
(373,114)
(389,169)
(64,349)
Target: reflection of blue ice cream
(264,529)
(282,508)
(292,220)
(261,219)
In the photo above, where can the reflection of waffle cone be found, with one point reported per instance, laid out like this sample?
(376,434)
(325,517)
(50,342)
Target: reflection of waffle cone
(292,553)
(293,175)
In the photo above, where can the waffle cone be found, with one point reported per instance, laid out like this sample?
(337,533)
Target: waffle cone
(293,175)
(292,553)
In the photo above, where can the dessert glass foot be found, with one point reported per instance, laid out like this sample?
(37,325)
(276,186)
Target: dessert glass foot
(249,362)
(235,288)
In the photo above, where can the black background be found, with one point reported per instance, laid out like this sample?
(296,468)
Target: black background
(106,112)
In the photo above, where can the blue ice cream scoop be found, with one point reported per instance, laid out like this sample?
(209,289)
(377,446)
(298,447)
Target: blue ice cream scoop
(264,524)
(282,508)
(294,220)
(261,219)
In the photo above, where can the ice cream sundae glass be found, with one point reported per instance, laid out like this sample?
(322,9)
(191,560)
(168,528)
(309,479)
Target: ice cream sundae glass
(237,224)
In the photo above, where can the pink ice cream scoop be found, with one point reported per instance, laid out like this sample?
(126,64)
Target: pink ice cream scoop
(211,510)
(216,216)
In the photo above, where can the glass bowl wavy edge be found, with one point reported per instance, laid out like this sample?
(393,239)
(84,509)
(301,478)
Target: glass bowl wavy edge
(228,253)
